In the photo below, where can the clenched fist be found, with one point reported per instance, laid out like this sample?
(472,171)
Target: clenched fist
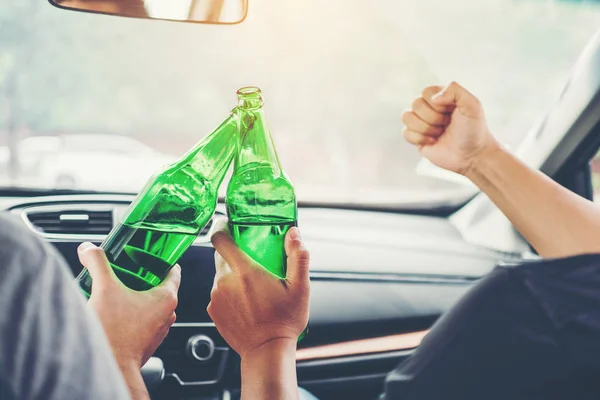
(448,126)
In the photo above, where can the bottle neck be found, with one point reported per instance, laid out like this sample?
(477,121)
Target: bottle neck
(212,156)
(255,144)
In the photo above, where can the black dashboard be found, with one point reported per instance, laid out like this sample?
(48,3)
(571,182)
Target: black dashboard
(373,275)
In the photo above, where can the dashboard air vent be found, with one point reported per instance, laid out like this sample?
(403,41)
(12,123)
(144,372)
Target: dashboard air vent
(73,222)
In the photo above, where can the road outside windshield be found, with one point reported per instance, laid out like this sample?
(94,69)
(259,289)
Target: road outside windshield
(94,102)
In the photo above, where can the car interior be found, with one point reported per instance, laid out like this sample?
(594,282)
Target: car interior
(394,242)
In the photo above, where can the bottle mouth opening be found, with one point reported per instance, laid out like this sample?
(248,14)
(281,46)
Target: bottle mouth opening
(249,92)
(249,98)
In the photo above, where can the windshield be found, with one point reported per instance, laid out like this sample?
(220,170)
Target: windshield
(94,102)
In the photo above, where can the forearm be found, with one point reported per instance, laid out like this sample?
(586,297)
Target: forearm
(135,382)
(557,222)
(269,372)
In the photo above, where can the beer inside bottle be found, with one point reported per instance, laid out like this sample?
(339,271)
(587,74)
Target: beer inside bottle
(169,213)
(261,204)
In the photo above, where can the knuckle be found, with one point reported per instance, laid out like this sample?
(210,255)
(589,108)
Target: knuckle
(246,278)
(171,300)
(220,289)
(210,309)
(303,256)
(177,270)
(431,89)
(174,301)
(434,130)
(214,292)
(93,254)
(97,251)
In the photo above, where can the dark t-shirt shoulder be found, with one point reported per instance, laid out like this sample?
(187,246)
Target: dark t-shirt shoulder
(526,331)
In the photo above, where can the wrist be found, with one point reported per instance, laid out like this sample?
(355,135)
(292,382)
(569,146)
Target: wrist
(132,375)
(485,157)
(277,347)
(269,371)
(128,364)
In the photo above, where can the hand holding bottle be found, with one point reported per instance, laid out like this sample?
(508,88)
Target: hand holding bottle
(135,323)
(448,126)
(250,305)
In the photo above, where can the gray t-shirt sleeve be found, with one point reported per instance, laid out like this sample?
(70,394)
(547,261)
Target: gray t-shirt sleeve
(51,345)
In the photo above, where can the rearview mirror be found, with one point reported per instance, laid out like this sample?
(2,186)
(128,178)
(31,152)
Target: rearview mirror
(200,11)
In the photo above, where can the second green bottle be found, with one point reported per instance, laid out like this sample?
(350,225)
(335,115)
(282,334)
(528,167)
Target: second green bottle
(261,203)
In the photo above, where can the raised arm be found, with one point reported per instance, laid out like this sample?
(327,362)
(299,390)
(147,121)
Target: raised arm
(448,127)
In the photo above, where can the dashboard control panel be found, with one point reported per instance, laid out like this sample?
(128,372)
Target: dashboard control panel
(194,354)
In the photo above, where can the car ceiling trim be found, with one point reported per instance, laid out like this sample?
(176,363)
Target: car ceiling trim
(382,344)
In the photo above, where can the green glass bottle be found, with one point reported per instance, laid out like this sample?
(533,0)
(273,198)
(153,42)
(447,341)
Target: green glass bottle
(170,211)
(261,204)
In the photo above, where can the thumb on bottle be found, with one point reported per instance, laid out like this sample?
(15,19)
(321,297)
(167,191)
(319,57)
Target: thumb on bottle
(234,257)
(95,261)
(298,257)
